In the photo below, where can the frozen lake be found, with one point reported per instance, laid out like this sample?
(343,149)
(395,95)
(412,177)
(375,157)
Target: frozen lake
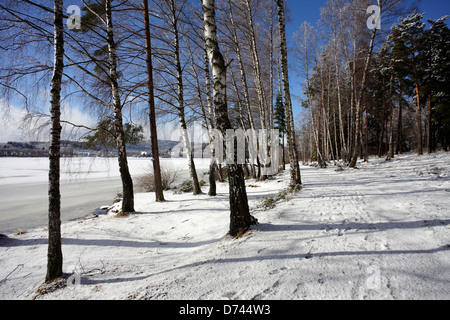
(86,185)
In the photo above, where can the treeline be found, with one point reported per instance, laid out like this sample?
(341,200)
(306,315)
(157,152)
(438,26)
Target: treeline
(36,149)
(249,36)
(7,150)
(373,92)
(184,60)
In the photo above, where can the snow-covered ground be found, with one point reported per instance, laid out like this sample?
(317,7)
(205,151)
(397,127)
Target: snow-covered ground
(379,232)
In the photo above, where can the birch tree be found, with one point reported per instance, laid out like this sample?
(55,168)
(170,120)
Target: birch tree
(151,102)
(54,255)
(331,16)
(239,210)
(174,23)
(359,96)
(243,73)
(306,48)
(127,182)
(292,149)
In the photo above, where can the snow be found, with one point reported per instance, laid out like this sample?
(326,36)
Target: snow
(378,232)
(78,169)
(86,185)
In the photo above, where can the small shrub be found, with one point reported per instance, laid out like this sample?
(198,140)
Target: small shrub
(146,183)
(267,203)
(281,195)
(186,186)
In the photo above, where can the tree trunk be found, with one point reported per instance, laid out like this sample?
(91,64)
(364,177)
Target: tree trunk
(383,121)
(54,255)
(419,118)
(239,210)
(127,182)
(213,165)
(208,123)
(366,149)
(399,123)
(390,154)
(284,157)
(271,92)
(335,131)
(292,149)
(344,149)
(430,132)
(180,98)
(159,195)
(246,91)
(261,94)
(359,97)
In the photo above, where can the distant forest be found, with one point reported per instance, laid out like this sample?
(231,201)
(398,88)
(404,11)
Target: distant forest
(167,149)
(34,148)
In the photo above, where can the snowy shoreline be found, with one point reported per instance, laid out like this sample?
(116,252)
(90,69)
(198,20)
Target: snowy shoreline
(379,232)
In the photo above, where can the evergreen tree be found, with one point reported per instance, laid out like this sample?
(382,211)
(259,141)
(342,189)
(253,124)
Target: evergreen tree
(435,62)
(106,133)
(279,119)
(409,32)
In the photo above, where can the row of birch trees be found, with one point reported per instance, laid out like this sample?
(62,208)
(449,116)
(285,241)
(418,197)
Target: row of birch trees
(220,62)
(369,90)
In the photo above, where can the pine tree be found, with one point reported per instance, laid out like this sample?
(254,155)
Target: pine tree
(435,62)
(409,32)
(279,119)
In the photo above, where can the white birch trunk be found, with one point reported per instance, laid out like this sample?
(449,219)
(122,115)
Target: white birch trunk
(292,149)
(239,210)
(54,254)
(127,182)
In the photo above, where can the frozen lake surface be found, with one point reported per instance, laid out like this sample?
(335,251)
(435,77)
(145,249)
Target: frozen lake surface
(86,185)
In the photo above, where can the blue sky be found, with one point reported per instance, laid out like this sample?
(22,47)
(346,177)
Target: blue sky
(300,11)
(309,10)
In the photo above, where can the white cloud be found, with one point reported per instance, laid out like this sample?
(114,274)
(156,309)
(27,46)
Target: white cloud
(18,125)
(77,117)
(10,123)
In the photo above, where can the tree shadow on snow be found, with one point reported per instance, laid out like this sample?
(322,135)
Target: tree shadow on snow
(353,226)
(132,243)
